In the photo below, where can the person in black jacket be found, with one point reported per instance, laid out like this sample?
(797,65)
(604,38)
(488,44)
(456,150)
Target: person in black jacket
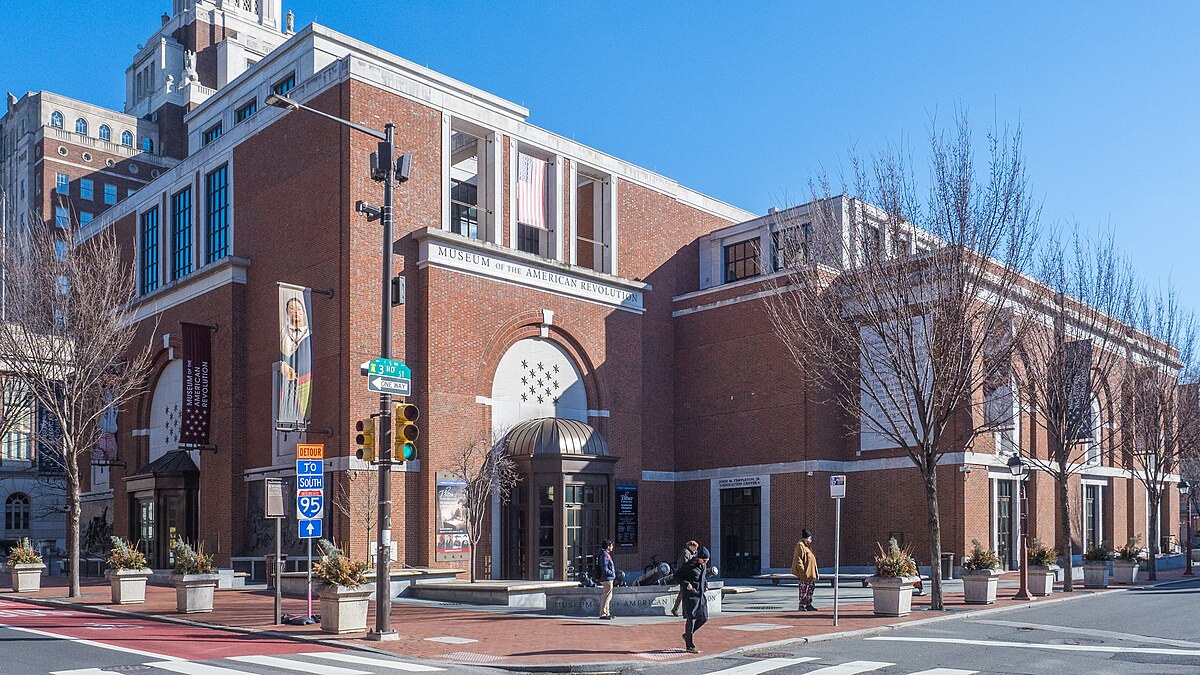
(693,582)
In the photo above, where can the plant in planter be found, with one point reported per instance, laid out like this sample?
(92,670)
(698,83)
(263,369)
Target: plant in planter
(194,578)
(895,576)
(981,575)
(1095,565)
(127,572)
(343,592)
(26,567)
(1125,566)
(1042,564)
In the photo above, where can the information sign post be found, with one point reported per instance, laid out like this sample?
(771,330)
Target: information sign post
(837,491)
(310,500)
(273,508)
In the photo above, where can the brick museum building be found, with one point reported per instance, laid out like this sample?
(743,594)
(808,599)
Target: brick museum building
(603,319)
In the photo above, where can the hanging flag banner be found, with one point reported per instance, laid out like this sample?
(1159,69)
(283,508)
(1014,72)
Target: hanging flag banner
(295,357)
(531,191)
(452,516)
(197,364)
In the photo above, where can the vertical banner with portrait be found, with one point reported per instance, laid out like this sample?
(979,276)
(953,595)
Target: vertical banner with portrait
(627,516)
(197,359)
(452,542)
(294,393)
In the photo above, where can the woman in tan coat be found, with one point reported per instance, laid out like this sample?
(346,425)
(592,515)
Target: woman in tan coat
(804,567)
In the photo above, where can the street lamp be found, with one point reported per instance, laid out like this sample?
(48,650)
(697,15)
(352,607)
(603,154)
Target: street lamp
(1019,467)
(1185,491)
(383,169)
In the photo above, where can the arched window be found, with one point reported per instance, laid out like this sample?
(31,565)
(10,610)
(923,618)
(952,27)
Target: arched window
(81,126)
(148,144)
(105,133)
(16,513)
(56,120)
(127,139)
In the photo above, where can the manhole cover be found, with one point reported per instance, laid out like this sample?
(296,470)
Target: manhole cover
(767,655)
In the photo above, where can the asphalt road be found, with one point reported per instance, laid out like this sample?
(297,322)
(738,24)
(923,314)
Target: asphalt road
(1143,631)
(37,640)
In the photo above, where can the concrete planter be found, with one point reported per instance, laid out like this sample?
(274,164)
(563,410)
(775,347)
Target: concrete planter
(1095,574)
(979,586)
(27,577)
(1125,571)
(1041,579)
(893,595)
(344,608)
(194,592)
(128,586)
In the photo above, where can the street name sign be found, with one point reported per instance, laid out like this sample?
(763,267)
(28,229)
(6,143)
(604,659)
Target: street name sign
(389,368)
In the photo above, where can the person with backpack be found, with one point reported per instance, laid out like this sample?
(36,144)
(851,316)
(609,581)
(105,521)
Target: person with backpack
(606,574)
(693,583)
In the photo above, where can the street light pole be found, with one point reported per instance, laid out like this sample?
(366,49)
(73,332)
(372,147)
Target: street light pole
(1185,489)
(1018,467)
(383,169)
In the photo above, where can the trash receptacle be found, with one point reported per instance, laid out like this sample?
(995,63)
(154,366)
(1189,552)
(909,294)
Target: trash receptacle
(947,565)
(271,568)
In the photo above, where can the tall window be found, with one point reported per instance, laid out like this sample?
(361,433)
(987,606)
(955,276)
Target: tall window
(85,217)
(110,194)
(464,214)
(741,260)
(56,120)
(127,139)
(243,113)
(149,264)
(148,144)
(81,126)
(212,134)
(1092,516)
(533,222)
(790,246)
(16,513)
(216,212)
(62,217)
(62,183)
(105,132)
(181,234)
(17,442)
(87,189)
(60,250)
(285,85)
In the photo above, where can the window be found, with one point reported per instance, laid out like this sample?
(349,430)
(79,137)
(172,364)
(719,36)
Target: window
(105,132)
(87,189)
(149,263)
(181,234)
(285,85)
(62,217)
(60,250)
(17,442)
(127,139)
(81,126)
(212,134)
(594,219)
(1093,509)
(464,212)
(533,222)
(62,183)
(56,120)
(110,194)
(216,213)
(85,217)
(64,285)
(243,113)
(1094,443)
(790,245)
(872,242)
(148,144)
(741,260)
(16,513)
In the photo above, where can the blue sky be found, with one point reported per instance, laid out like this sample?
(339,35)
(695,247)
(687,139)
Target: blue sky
(745,101)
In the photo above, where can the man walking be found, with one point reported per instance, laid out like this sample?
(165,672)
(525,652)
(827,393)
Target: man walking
(688,552)
(693,582)
(804,567)
(608,574)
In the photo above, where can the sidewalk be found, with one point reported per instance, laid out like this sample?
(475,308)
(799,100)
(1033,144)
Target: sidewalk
(504,638)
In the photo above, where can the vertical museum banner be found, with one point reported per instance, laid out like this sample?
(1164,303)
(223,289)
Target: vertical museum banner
(452,541)
(197,367)
(294,393)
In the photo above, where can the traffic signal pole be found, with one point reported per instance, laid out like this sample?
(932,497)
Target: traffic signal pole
(383,578)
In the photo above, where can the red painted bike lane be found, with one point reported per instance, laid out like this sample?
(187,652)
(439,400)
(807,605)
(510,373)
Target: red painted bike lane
(138,636)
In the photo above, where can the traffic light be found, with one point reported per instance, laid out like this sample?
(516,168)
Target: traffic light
(406,432)
(365,439)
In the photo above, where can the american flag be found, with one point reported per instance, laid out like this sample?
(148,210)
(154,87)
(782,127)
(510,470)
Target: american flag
(531,191)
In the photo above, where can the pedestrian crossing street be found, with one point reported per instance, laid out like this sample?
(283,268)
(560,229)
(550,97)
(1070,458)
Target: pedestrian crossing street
(315,663)
(796,665)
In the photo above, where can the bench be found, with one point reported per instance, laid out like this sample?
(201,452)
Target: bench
(787,576)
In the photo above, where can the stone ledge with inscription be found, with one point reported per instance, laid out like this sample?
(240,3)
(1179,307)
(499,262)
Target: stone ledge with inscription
(471,256)
(627,600)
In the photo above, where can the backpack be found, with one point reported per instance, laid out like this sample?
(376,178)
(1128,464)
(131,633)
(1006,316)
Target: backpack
(598,568)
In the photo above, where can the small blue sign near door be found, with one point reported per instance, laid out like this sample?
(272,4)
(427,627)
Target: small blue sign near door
(310,529)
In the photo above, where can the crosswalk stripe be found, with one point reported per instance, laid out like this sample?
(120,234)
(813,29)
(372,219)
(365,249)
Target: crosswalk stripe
(851,668)
(287,664)
(945,671)
(82,671)
(374,663)
(190,668)
(763,666)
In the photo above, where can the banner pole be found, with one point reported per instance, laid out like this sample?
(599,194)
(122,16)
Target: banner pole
(309,540)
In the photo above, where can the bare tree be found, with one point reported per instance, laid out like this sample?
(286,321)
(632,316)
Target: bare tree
(891,300)
(1072,345)
(70,336)
(484,465)
(345,497)
(1154,443)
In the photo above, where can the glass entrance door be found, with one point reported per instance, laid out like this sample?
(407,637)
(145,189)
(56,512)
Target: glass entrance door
(1004,522)
(586,506)
(144,527)
(741,532)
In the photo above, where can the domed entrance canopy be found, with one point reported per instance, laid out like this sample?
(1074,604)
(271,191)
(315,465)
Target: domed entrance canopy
(555,436)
